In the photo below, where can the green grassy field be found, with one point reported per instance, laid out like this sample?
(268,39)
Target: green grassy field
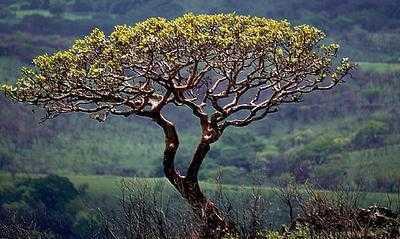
(111,185)
(106,186)
(22,13)
(378,67)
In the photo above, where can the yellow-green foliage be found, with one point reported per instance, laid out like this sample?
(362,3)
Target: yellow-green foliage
(220,30)
(99,60)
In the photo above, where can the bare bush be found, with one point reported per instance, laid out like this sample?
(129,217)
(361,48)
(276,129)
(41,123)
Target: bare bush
(148,210)
(13,226)
(247,208)
(338,214)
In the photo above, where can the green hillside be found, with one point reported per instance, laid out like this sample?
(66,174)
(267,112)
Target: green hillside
(368,29)
(350,136)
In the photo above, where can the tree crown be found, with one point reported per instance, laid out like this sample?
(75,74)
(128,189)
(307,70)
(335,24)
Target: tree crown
(229,69)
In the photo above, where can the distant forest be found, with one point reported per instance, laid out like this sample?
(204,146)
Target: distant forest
(368,29)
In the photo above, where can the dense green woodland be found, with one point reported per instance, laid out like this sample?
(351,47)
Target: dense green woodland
(349,136)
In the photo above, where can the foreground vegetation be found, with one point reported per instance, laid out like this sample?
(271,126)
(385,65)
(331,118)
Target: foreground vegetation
(94,206)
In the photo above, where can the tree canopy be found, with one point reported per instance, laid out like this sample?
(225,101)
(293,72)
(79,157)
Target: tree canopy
(228,68)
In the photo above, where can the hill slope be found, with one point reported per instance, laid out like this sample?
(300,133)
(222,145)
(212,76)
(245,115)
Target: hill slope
(348,136)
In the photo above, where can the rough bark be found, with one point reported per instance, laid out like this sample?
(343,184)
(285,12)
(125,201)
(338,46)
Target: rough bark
(214,225)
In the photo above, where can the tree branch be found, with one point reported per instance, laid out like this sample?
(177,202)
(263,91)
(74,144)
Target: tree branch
(171,147)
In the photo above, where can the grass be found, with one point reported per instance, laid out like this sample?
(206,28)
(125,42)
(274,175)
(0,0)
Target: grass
(77,16)
(22,13)
(98,184)
(378,67)
(104,193)
(109,186)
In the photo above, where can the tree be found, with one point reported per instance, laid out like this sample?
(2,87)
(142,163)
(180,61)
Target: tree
(39,205)
(229,70)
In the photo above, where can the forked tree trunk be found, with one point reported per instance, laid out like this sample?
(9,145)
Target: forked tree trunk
(214,225)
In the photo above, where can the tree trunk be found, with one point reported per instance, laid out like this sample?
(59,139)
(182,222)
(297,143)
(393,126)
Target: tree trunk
(214,225)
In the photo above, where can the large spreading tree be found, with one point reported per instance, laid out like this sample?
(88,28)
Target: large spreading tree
(229,70)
